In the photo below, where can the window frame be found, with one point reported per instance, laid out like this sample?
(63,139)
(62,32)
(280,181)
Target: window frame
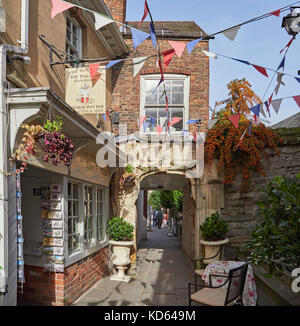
(69,43)
(186,95)
(95,244)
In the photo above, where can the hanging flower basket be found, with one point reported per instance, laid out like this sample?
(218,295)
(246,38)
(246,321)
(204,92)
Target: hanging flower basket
(127,179)
(55,145)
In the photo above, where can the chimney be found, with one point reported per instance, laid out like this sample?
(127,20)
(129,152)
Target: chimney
(117,9)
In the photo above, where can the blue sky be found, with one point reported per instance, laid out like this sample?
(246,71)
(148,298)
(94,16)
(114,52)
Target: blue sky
(258,42)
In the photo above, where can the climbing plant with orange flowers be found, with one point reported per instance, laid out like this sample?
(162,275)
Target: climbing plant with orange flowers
(223,141)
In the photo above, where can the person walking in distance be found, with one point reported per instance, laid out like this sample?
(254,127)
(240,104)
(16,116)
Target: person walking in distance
(159,217)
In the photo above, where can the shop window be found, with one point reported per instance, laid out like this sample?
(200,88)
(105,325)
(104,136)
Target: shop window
(73,39)
(73,217)
(153,101)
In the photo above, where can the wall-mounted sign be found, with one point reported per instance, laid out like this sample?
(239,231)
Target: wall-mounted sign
(81,95)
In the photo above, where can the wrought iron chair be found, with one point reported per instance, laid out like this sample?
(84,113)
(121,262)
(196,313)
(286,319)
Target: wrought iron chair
(228,294)
(226,252)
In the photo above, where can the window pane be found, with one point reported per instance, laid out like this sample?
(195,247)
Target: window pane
(75,191)
(69,190)
(177,112)
(177,98)
(76,241)
(76,224)
(75,208)
(150,85)
(70,226)
(70,208)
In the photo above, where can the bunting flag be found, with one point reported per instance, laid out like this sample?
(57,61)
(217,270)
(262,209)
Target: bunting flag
(138,64)
(210,54)
(168,55)
(235,120)
(276,105)
(279,82)
(298,79)
(282,64)
(101,20)
(275,13)
(191,122)
(178,47)
(289,44)
(107,115)
(241,140)
(242,61)
(195,137)
(250,127)
(175,120)
(152,34)
(268,105)
(145,125)
(261,70)
(112,63)
(153,120)
(211,123)
(142,119)
(159,129)
(256,110)
(297,100)
(59,6)
(190,45)
(146,12)
(103,116)
(231,33)
(95,74)
(138,37)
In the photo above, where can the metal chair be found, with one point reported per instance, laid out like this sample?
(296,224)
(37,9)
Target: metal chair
(222,295)
(226,252)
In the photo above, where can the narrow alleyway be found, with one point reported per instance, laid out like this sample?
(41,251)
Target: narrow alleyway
(162,277)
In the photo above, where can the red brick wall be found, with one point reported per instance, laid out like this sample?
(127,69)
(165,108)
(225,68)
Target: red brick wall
(117,9)
(59,289)
(126,87)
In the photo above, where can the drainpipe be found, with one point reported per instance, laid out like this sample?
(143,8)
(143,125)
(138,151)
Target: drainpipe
(4,119)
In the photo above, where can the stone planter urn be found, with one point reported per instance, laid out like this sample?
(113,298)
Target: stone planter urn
(211,248)
(121,259)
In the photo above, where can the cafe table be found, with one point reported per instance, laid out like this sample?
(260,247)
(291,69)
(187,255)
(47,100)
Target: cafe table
(216,273)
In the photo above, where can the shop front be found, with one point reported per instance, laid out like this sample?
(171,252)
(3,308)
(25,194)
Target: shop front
(57,241)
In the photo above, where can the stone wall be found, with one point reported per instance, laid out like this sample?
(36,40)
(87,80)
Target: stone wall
(240,209)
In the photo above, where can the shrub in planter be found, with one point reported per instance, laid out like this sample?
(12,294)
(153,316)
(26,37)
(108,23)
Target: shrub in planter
(214,228)
(275,243)
(119,230)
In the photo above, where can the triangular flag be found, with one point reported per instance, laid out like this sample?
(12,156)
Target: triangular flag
(162,120)
(195,137)
(282,63)
(256,110)
(210,54)
(101,20)
(211,123)
(95,75)
(146,12)
(59,6)
(142,119)
(231,33)
(152,121)
(175,120)
(112,63)
(268,105)
(241,140)
(138,64)
(168,55)
(190,45)
(145,125)
(276,105)
(138,37)
(152,33)
(190,122)
(289,43)
(297,100)
(242,61)
(178,47)
(104,116)
(275,13)
(261,70)
(298,79)
(159,129)
(250,127)
(279,82)
(235,120)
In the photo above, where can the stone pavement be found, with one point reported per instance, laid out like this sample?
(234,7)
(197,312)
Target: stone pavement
(162,277)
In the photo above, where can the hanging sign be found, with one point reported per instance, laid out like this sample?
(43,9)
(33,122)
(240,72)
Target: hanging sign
(82,93)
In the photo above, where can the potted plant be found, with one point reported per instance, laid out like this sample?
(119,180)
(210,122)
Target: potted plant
(127,178)
(213,231)
(121,238)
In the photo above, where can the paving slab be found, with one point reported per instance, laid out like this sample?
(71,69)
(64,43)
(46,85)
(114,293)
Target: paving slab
(163,273)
